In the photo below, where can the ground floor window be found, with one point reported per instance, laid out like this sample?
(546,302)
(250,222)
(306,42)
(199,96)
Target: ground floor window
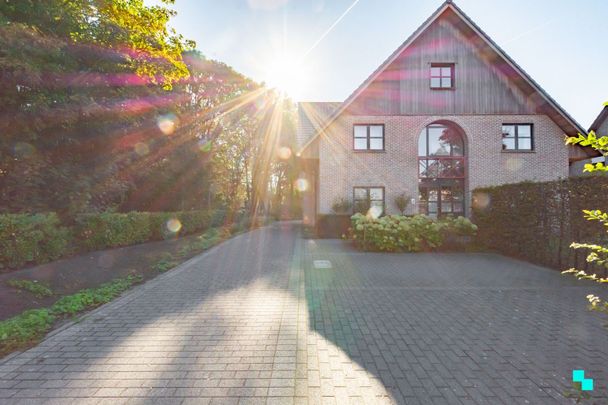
(441,197)
(368,199)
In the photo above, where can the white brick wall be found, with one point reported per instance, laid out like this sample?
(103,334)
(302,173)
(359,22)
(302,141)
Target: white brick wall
(341,169)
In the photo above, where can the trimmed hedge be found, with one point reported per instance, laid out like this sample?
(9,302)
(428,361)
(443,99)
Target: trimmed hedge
(26,238)
(100,231)
(537,222)
(332,226)
(39,238)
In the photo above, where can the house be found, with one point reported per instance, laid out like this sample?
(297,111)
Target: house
(446,113)
(600,127)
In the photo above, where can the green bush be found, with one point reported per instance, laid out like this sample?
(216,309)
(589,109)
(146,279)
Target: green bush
(105,230)
(39,290)
(27,238)
(538,221)
(398,233)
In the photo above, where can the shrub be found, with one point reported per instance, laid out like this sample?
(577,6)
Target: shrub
(26,238)
(101,231)
(39,290)
(401,202)
(538,221)
(341,206)
(398,233)
(332,226)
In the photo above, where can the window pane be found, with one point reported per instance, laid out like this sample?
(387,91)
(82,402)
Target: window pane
(360,193)
(360,131)
(446,71)
(458,208)
(524,131)
(435,82)
(446,82)
(422,168)
(422,144)
(508,131)
(525,144)
(432,209)
(447,208)
(376,143)
(361,143)
(376,194)
(433,195)
(508,143)
(435,71)
(437,145)
(376,131)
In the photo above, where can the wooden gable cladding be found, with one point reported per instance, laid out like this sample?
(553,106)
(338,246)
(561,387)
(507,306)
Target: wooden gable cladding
(484,82)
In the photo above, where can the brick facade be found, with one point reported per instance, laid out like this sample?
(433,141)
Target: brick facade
(396,168)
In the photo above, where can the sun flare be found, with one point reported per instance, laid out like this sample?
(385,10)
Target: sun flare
(287,75)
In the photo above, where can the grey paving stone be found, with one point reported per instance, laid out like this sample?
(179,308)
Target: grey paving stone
(252,321)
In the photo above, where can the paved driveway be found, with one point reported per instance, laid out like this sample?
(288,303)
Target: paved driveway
(253,321)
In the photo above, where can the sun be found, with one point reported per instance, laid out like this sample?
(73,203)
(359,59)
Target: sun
(287,75)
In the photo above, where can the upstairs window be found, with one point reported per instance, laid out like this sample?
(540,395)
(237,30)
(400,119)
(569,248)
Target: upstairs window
(442,76)
(369,137)
(517,137)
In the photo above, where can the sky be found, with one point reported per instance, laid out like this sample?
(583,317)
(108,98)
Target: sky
(322,50)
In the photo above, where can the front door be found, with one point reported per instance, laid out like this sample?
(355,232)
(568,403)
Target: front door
(441,198)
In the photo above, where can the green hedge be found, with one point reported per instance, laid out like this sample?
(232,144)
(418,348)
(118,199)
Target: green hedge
(39,238)
(100,231)
(26,238)
(537,222)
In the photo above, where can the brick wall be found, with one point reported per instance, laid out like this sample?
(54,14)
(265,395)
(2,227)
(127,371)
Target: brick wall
(396,168)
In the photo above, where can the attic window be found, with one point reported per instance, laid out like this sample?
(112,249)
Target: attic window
(442,76)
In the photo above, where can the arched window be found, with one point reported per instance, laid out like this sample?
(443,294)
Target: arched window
(441,170)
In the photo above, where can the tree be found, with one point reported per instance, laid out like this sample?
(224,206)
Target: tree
(598,254)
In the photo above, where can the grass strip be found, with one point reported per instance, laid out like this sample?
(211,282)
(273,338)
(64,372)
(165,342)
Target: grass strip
(29,327)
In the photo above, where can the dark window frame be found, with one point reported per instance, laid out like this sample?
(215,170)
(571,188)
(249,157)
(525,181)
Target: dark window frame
(451,157)
(368,137)
(452,76)
(369,200)
(516,137)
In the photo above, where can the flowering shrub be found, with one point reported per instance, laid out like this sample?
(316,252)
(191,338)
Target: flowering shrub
(398,233)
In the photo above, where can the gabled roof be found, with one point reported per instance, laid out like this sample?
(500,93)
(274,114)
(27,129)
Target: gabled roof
(600,119)
(557,113)
(312,116)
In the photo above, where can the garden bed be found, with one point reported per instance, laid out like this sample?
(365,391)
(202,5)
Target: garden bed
(28,289)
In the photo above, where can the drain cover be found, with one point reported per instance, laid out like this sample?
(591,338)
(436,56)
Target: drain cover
(322,264)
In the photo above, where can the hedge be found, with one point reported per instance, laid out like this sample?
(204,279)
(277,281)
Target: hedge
(537,222)
(26,238)
(39,238)
(99,231)
(332,226)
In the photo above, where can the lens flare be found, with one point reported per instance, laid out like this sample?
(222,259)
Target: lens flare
(23,149)
(514,164)
(173,225)
(301,185)
(141,149)
(374,212)
(481,200)
(284,153)
(167,123)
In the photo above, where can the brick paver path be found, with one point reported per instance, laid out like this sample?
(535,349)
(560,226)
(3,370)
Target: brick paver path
(253,321)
